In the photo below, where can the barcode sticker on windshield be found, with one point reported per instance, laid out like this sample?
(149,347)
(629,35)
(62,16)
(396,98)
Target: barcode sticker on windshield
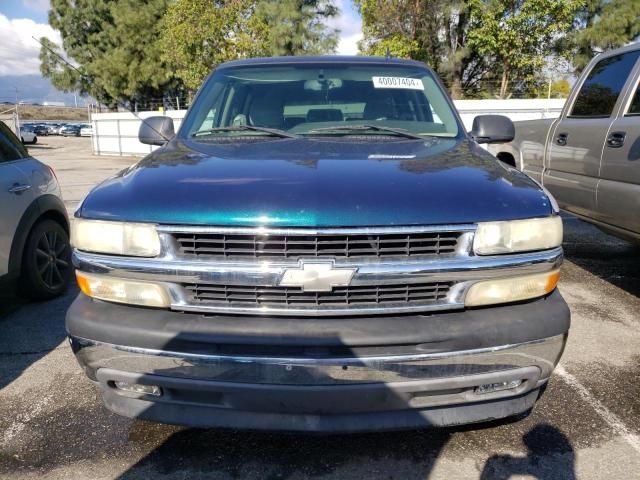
(397,82)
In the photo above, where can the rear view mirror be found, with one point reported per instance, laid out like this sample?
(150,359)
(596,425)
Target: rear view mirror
(492,129)
(324,84)
(156,130)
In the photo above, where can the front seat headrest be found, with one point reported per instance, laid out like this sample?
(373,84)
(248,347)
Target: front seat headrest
(266,112)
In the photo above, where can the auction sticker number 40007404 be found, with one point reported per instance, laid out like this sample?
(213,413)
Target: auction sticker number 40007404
(397,82)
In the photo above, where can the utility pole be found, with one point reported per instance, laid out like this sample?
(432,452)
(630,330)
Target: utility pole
(17,117)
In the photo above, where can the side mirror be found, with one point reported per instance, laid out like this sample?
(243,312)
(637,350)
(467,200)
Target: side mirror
(492,129)
(156,130)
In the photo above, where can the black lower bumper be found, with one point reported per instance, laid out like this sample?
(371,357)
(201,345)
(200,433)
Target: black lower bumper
(320,409)
(320,374)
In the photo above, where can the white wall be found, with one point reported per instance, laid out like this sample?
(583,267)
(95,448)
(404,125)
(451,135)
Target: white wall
(516,110)
(117,133)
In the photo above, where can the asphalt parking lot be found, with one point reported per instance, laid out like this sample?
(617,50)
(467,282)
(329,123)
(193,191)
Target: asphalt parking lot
(587,425)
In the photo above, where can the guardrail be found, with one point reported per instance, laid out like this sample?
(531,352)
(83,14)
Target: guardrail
(117,133)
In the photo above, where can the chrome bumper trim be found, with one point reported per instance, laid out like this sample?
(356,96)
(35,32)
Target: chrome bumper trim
(543,354)
(269,273)
(462,270)
(315,231)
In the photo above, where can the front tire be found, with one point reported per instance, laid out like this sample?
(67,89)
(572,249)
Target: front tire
(35,140)
(46,263)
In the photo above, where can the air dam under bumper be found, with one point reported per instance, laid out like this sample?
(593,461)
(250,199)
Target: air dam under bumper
(370,391)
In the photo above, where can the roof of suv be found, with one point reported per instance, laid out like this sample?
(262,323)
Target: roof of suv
(322,59)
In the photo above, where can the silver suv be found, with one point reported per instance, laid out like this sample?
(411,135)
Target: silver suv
(34,228)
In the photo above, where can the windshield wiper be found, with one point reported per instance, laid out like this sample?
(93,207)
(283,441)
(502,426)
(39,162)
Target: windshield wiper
(364,128)
(243,128)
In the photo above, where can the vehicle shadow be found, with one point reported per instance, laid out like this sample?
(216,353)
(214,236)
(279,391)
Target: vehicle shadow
(39,146)
(550,455)
(29,331)
(609,258)
(235,454)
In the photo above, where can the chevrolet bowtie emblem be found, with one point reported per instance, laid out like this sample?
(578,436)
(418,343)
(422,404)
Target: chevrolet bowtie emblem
(316,276)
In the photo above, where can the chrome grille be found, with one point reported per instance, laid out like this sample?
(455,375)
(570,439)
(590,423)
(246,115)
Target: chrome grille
(352,296)
(296,246)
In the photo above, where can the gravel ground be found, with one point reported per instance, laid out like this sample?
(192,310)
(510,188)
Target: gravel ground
(587,425)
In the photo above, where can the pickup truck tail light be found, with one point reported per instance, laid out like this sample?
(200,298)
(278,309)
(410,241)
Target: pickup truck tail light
(111,289)
(512,289)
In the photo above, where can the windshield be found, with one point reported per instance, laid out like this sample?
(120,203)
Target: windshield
(319,99)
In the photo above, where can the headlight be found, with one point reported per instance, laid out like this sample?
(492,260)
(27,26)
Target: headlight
(116,238)
(119,290)
(512,289)
(518,236)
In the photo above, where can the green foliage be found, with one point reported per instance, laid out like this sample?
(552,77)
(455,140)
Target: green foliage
(541,88)
(600,25)
(296,27)
(395,45)
(403,27)
(197,35)
(433,31)
(134,50)
(560,89)
(518,35)
(473,45)
(113,43)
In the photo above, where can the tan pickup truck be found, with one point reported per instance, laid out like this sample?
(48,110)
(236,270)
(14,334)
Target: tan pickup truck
(589,157)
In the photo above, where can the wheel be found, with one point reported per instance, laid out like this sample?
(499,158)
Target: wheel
(22,139)
(35,140)
(46,263)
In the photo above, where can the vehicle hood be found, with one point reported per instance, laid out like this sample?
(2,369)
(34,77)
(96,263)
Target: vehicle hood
(318,182)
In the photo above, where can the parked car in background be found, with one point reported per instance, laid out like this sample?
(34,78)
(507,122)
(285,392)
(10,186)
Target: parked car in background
(52,128)
(321,247)
(86,131)
(589,157)
(72,130)
(34,238)
(41,130)
(27,135)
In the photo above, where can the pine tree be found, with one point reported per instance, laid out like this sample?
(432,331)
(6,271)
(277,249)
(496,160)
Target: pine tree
(113,45)
(296,27)
(600,25)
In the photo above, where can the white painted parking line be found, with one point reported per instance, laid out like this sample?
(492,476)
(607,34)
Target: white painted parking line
(607,415)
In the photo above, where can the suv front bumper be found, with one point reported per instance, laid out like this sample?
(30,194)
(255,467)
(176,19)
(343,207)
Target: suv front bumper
(322,374)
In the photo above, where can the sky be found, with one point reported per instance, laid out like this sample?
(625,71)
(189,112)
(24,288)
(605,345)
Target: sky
(20,20)
(350,25)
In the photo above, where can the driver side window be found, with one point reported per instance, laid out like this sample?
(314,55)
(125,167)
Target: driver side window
(602,87)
